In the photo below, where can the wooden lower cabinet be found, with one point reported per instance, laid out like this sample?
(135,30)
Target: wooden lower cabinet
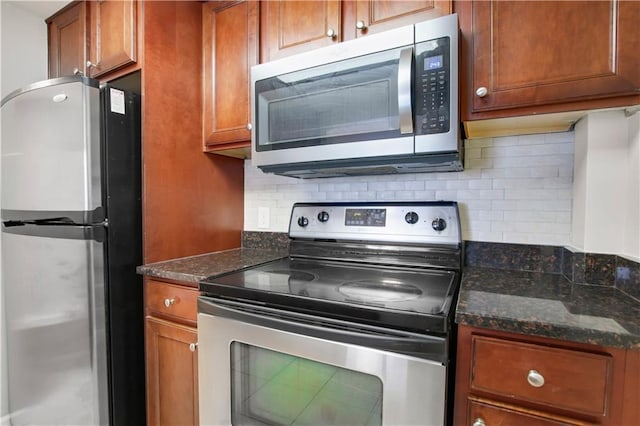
(513,379)
(171,352)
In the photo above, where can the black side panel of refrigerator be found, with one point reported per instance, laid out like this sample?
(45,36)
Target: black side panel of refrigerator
(122,188)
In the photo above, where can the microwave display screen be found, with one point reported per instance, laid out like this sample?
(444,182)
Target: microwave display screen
(365,217)
(433,62)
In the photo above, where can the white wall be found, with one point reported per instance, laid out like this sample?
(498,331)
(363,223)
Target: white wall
(606,207)
(23,41)
(632,220)
(513,189)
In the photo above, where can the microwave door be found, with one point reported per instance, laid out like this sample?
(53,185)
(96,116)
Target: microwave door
(359,107)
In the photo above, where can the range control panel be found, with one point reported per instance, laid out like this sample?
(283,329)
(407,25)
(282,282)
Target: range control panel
(435,222)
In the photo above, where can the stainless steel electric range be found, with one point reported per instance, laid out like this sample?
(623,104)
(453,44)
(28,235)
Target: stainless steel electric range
(354,327)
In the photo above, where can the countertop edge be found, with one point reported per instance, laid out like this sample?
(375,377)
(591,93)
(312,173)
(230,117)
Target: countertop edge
(551,331)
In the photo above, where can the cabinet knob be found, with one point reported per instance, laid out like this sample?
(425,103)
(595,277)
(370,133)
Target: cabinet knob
(479,422)
(169,302)
(360,25)
(91,65)
(482,92)
(249,126)
(535,379)
(193,347)
(331,33)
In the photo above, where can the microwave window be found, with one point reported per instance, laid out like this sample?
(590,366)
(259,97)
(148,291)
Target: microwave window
(433,62)
(349,109)
(330,103)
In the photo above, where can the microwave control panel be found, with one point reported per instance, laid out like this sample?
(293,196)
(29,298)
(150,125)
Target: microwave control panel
(432,87)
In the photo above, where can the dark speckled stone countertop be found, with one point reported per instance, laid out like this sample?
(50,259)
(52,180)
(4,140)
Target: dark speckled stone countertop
(190,270)
(549,305)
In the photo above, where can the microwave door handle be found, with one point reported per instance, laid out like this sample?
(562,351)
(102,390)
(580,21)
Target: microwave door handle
(405,68)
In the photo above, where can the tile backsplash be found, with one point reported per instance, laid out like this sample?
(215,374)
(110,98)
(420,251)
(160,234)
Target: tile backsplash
(515,189)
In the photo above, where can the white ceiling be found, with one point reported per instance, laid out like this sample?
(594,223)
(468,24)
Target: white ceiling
(42,9)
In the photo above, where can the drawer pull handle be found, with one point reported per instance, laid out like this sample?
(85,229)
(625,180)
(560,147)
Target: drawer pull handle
(535,379)
(193,347)
(169,302)
(479,422)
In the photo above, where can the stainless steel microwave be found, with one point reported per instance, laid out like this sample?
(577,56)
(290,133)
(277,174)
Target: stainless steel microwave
(384,103)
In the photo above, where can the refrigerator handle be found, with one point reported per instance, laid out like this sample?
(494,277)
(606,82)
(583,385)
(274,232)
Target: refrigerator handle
(96,232)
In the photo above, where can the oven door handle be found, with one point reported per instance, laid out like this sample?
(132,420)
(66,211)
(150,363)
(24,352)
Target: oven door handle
(432,348)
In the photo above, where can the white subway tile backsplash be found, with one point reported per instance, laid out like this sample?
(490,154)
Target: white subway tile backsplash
(514,189)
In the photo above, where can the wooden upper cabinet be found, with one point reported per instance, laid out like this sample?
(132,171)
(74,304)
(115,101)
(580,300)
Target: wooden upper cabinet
(230,48)
(67,34)
(113,35)
(364,17)
(541,53)
(290,27)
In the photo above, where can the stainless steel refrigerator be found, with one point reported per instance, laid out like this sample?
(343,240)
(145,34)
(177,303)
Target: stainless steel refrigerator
(71,240)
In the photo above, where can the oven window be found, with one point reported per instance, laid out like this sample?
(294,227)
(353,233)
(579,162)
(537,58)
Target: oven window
(273,388)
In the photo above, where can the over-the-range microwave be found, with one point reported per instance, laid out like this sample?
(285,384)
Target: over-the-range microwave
(384,103)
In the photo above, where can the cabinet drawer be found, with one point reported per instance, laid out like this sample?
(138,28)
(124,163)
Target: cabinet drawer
(485,414)
(171,301)
(562,378)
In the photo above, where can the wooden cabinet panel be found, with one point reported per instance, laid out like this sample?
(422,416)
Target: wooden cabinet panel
(113,35)
(537,53)
(382,15)
(289,27)
(172,373)
(67,35)
(193,202)
(230,48)
(571,380)
(175,302)
(492,415)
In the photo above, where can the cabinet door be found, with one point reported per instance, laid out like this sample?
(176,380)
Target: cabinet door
(373,16)
(230,44)
(113,35)
(67,32)
(172,373)
(528,53)
(289,27)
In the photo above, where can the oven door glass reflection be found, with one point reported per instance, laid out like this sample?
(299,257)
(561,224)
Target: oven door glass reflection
(273,388)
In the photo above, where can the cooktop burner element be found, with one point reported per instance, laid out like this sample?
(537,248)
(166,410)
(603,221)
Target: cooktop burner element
(386,264)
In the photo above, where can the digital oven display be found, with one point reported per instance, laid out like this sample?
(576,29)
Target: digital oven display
(365,217)
(433,62)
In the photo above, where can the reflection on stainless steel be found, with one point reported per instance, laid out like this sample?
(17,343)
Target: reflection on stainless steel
(378,291)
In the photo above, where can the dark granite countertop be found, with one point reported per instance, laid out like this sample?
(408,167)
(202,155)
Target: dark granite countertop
(194,268)
(549,305)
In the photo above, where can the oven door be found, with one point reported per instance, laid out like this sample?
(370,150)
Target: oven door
(260,366)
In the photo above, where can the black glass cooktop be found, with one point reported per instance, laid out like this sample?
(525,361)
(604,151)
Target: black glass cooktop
(411,299)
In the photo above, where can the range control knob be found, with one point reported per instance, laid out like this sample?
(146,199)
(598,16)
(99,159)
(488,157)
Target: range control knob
(323,216)
(439,224)
(411,217)
(303,221)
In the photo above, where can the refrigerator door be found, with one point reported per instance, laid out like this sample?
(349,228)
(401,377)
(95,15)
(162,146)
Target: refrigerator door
(56,335)
(51,152)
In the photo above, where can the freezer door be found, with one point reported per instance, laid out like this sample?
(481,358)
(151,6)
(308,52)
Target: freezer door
(56,336)
(51,149)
